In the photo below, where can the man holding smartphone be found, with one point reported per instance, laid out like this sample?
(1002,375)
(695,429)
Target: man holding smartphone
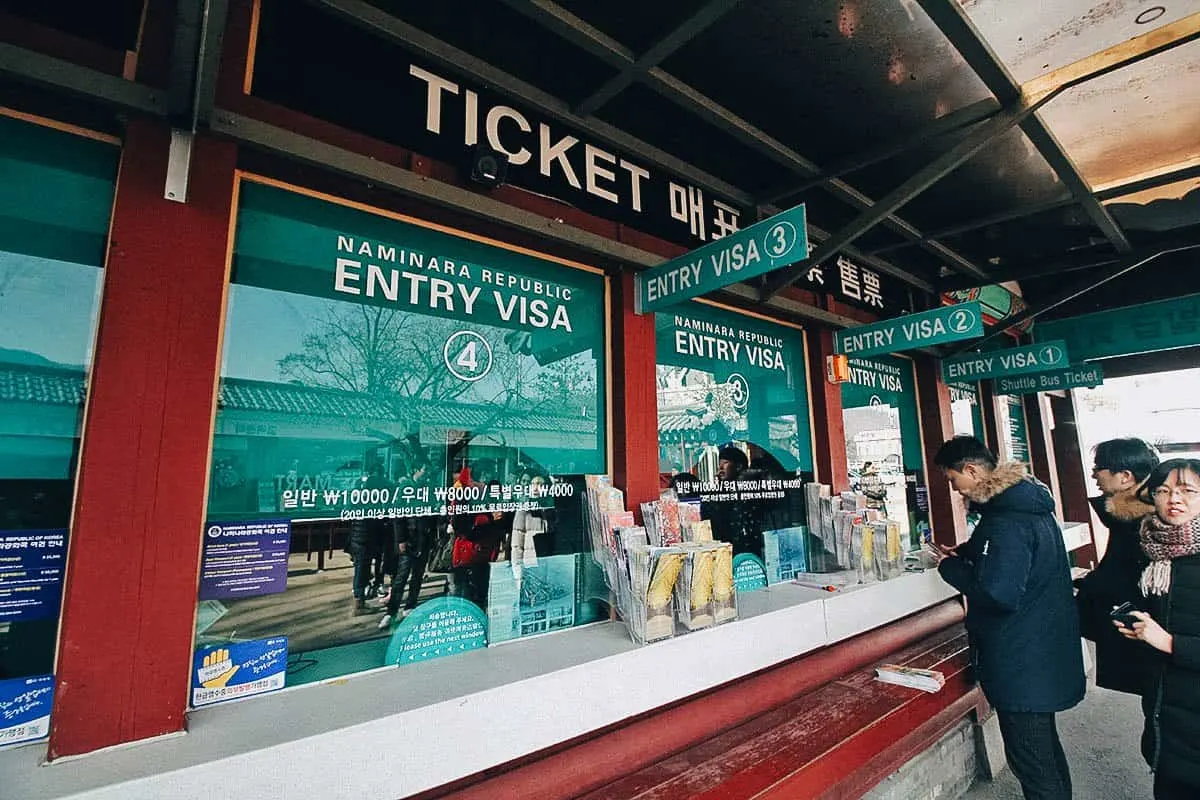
(1021,616)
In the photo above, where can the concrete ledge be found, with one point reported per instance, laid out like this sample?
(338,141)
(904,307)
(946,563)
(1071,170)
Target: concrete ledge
(397,732)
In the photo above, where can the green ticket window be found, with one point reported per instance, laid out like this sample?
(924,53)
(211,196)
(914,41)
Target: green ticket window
(729,381)
(1014,433)
(883,440)
(402,410)
(965,409)
(56,196)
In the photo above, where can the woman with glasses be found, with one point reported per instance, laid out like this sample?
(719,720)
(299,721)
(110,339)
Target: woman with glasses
(1170,624)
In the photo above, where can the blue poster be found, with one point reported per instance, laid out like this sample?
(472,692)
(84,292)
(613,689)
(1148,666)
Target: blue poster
(31,574)
(238,669)
(749,574)
(25,709)
(245,559)
(441,627)
(784,553)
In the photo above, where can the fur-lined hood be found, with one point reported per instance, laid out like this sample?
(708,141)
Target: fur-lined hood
(1006,475)
(1127,506)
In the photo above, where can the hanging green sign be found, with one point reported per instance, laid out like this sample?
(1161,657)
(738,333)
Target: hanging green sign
(1146,328)
(1088,375)
(1015,361)
(939,326)
(764,246)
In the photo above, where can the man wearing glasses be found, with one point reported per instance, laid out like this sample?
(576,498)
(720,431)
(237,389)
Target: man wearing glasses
(1119,470)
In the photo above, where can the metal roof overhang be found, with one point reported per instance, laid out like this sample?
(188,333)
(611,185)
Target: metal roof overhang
(942,142)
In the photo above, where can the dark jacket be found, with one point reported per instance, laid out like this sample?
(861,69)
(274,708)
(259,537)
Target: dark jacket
(1121,664)
(1021,617)
(1171,741)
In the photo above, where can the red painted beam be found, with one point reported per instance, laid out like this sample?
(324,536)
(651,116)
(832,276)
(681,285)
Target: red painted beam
(1072,466)
(892,757)
(584,765)
(818,726)
(826,399)
(827,772)
(130,594)
(947,515)
(635,398)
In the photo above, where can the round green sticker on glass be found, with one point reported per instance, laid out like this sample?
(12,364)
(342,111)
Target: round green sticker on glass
(444,626)
(749,573)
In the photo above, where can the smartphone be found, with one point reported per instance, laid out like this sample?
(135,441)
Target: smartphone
(1123,615)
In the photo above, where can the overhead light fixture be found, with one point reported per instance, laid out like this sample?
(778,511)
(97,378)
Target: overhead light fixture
(488,167)
(1150,14)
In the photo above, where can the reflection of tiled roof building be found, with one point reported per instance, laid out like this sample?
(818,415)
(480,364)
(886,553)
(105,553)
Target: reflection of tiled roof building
(464,416)
(296,400)
(285,398)
(22,383)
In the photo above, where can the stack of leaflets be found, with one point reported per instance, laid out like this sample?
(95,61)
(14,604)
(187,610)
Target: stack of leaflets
(704,592)
(656,578)
(927,680)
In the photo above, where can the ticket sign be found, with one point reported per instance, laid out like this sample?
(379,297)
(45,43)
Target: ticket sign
(941,325)
(1003,363)
(1083,375)
(773,243)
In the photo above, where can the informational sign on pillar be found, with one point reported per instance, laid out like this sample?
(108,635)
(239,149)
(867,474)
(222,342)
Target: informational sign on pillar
(1001,363)
(773,243)
(1082,375)
(939,326)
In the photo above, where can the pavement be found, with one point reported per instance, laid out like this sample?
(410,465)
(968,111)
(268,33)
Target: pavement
(1101,737)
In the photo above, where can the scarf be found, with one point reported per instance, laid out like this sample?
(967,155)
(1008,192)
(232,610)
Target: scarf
(1161,543)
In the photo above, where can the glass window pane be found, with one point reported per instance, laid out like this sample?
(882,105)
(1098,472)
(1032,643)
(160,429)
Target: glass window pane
(733,430)
(404,420)
(883,441)
(56,194)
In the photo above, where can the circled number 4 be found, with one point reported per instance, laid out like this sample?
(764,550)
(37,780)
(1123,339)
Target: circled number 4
(468,357)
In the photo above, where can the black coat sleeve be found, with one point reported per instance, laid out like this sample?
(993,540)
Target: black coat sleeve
(997,572)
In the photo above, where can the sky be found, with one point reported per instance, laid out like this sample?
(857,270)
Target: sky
(49,307)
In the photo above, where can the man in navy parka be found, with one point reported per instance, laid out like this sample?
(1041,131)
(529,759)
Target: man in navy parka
(1021,617)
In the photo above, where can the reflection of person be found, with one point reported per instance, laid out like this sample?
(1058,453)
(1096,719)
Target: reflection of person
(414,539)
(1020,610)
(533,532)
(477,541)
(870,484)
(731,462)
(368,545)
(1170,538)
(735,521)
(1120,467)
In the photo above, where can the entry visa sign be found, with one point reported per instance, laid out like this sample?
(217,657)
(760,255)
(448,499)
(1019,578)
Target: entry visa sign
(764,246)
(1002,363)
(941,325)
(1086,375)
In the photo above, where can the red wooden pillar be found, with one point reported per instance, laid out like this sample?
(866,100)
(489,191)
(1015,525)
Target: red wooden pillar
(1041,448)
(130,595)
(634,398)
(991,424)
(829,429)
(946,512)
(1072,473)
